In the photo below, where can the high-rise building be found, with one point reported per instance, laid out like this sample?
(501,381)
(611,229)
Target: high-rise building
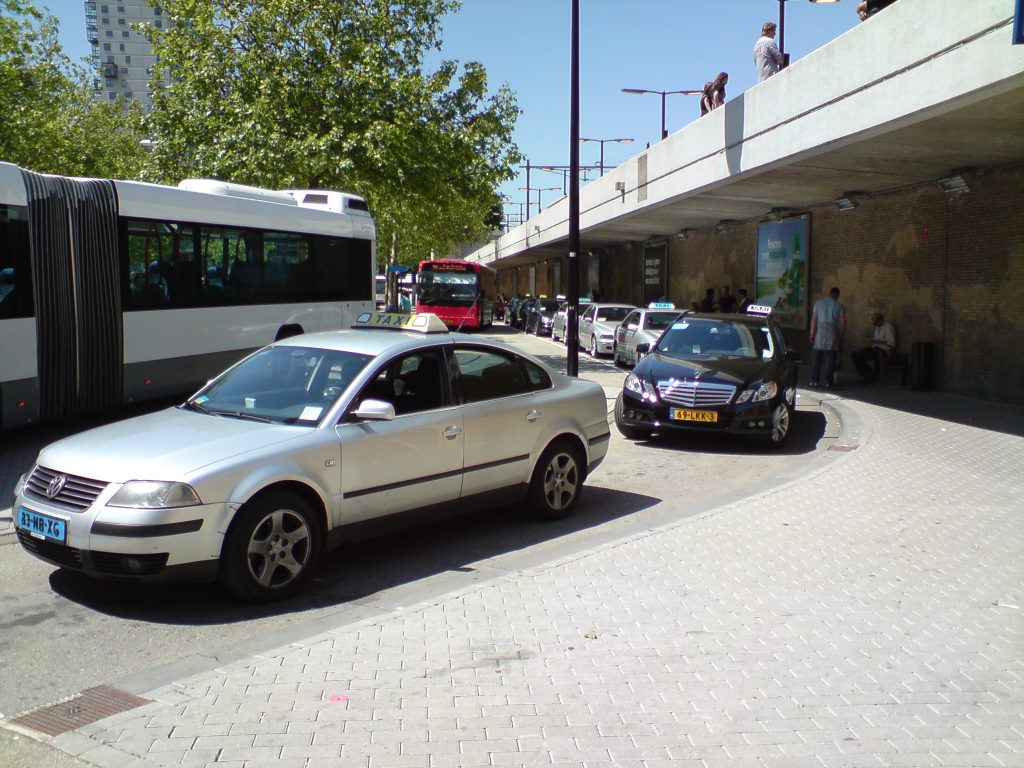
(122,55)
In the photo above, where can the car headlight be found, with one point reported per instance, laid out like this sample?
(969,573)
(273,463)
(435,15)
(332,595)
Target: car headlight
(643,388)
(153,494)
(21,483)
(766,391)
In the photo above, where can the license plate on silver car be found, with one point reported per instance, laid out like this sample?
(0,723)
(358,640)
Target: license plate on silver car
(41,526)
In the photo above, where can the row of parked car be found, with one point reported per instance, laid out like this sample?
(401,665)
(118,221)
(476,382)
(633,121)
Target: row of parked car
(605,328)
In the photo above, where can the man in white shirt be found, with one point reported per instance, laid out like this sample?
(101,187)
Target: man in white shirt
(767,56)
(828,327)
(883,343)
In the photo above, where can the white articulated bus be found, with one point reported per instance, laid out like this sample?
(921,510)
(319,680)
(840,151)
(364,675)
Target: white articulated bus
(116,291)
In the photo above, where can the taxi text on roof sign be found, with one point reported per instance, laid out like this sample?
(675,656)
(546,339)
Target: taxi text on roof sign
(759,309)
(423,323)
(661,305)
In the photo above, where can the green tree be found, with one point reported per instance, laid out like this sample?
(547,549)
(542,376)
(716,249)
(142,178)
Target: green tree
(51,120)
(335,94)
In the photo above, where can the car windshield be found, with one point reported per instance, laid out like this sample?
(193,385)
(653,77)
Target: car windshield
(281,385)
(547,305)
(697,338)
(659,321)
(612,314)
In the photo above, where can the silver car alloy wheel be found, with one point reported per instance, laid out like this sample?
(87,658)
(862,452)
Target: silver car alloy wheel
(780,423)
(593,346)
(561,481)
(279,548)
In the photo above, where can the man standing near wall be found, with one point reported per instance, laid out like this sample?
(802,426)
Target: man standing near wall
(828,327)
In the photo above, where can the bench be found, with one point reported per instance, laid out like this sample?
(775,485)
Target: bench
(896,361)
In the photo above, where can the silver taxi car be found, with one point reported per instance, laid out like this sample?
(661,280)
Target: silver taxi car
(597,327)
(637,333)
(560,321)
(271,463)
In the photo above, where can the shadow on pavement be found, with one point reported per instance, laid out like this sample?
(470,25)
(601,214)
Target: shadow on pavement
(358,570)
(983,414)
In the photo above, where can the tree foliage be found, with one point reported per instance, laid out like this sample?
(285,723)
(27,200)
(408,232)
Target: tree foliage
(334,94)
(51,121)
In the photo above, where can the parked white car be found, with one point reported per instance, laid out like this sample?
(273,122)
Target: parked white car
(271,463)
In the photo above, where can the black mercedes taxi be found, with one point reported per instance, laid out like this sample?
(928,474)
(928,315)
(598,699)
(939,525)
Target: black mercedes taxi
(713,373)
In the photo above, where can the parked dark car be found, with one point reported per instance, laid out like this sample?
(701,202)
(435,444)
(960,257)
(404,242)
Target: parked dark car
(541,316)
(712,373)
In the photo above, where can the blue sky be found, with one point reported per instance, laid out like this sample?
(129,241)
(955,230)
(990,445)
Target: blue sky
(650,44)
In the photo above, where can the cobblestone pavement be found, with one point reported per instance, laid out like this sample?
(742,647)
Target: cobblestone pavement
(867,615)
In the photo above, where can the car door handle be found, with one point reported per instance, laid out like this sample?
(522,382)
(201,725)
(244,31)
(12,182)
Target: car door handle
(450,433)
(532,415)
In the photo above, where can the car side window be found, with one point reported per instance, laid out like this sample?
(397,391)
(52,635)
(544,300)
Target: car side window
(412,383)
(535,375)
(485,374)
(632,319)
(589,314)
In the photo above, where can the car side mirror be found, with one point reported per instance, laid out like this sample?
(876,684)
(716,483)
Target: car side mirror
(792,356)
(643,349)
(374,410)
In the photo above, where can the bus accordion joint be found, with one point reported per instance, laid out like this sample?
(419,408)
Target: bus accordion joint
(422,322)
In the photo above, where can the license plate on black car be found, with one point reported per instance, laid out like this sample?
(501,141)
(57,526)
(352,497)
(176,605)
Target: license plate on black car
(681,414)
(41,526)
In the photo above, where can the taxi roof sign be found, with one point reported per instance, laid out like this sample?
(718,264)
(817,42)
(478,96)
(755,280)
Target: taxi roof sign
(759,309)
(661,305)
(397,321)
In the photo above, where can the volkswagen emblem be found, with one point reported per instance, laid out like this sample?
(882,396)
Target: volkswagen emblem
(56,486)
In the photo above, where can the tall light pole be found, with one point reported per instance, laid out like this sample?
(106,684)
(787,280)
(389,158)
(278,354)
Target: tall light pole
(663,94)
(602,142)
(538,190)
(572,354)
(564,170)
(782,26)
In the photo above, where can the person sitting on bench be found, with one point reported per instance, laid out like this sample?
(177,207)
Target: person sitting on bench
(883,343)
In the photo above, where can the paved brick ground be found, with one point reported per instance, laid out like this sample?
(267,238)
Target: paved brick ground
(870,615)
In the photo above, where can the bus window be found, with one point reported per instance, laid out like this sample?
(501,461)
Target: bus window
(15,271)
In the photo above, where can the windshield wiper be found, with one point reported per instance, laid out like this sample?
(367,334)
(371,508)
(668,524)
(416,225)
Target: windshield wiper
(192,405)
(241,415)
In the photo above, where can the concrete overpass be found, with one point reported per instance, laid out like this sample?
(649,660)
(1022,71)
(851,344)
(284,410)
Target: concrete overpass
(921,89)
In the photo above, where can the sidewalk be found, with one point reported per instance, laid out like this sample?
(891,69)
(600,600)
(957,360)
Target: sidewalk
(867,615)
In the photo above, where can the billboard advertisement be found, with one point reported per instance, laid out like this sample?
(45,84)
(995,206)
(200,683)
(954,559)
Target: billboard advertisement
(782,255)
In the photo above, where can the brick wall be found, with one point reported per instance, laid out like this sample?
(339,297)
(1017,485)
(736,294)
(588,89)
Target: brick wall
(947,269)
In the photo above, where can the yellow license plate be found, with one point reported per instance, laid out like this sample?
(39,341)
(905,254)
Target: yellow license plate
(680,414)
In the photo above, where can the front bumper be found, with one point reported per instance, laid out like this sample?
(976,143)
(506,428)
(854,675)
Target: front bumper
(141,545)
(745,419)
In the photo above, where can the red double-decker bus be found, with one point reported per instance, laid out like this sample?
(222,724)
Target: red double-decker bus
(461,293)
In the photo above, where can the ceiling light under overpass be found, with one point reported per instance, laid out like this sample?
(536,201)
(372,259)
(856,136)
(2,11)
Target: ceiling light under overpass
(846,202)
(956,182)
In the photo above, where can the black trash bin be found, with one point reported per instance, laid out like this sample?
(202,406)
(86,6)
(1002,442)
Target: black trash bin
(922,357)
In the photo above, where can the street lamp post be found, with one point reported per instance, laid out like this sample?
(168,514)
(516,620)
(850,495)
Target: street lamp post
(602,142)
(663,94)
(565,170)
(538,190)
(782,27)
